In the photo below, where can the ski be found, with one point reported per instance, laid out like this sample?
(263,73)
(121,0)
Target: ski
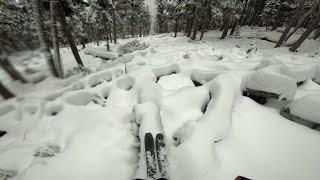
(161,156)
(150,156)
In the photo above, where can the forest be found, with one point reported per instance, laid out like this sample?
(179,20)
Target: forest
(159,89)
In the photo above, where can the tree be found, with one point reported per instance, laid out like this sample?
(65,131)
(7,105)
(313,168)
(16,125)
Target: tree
(11,70)
(67,32)
(305,35)
(55,40)
(5,93)
(43,38)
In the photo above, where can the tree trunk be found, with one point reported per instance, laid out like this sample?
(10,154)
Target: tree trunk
(11,70)
(107,42)
(286,31)
(43,38)
(195,25)
(67,32)
(176,26)
(302,20)
(192,19)
(140,31)
(5,93)
(225,29)
(305,35)
(114,22)
(316,34)
(205,20)
(234,27)
(55,42)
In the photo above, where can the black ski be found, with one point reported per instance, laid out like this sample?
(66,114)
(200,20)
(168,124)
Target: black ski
(150,155)
(161,156)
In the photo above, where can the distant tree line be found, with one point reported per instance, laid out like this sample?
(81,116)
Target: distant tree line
(49,24)
(192,16)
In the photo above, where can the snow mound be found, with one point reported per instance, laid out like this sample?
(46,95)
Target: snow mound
(299,73)
(203,76)
(272,82)
(99,78)
(100,53)
(317,76)
(176,109)
(166,69)
(125,58)
(131,46)
(307,107)
(6,109)
(80,98)
(126,83)
(175,82)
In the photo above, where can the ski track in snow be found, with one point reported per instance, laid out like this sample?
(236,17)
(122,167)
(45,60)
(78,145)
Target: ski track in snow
(87,127)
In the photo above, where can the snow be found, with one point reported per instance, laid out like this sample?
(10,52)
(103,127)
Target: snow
(306,107)
(101,53)
(272,82)
(87,126)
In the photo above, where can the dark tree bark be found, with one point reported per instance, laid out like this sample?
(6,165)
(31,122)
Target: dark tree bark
(55,42)
(316,34)
(140,31)
(292,22)
(206,18)
(107,42)
(67,32)
(5,93)
(225,29)
(192,19)
(305,35)
(303,19)
(176,26)
(286,31)
(114,22)
(43,38)
(11,70)
(234,27)
(195,24)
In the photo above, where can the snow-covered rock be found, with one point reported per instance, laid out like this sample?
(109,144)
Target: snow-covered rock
(307,107)
(175,82)
(272,82)
(299,73)
(100,53)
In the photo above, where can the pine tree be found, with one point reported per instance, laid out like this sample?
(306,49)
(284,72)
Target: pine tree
(43,38)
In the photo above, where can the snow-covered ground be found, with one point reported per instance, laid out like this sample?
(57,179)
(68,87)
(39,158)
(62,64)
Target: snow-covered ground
(85,127)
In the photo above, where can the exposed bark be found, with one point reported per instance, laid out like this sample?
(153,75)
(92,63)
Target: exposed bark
(234,27)
(43,38)
(114,22)
(206,18)
(303,19)
(176,26)
(195,24)
(55,42)
(192,19)
(107,42)
(316,34)
(292,22)
(226,28)
(11,70)
(5,93)
(67,32)
(305,35)
(140,31)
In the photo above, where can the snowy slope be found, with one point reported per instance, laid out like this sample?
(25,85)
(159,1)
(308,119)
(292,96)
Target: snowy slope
(85,127)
